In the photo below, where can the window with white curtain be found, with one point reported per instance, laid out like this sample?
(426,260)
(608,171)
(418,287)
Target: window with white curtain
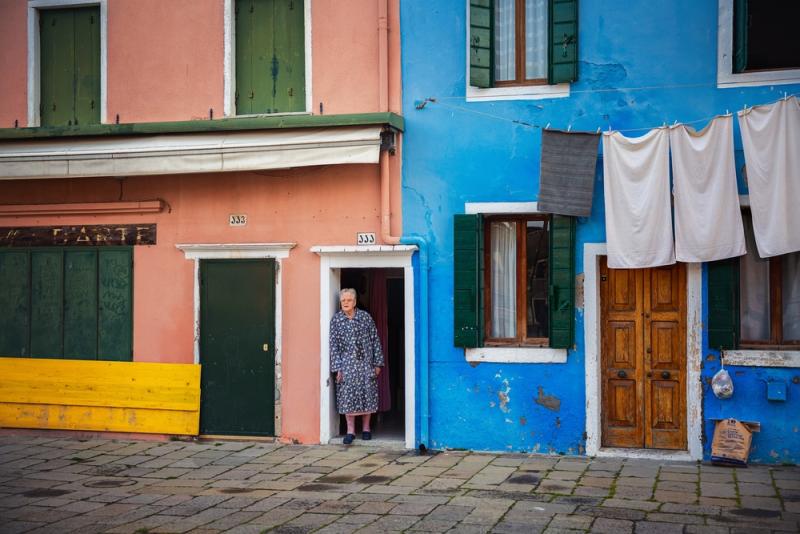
(769,296)
(520,41)
(516,285)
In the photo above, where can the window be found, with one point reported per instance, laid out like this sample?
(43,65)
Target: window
(270,56)
(769,296)
(759,38)
(513,280)
(69,41)
(66,303)
(522,42)
(752,47)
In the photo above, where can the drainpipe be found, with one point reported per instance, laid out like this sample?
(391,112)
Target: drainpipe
(386,229)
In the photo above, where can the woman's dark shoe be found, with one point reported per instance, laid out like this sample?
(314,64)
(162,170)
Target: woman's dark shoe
(348,439)
(366,436)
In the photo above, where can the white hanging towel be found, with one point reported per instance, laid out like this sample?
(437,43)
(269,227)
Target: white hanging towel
(771,141)
(708,219)
(638,212)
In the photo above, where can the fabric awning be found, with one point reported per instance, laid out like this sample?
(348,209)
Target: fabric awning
(188,153)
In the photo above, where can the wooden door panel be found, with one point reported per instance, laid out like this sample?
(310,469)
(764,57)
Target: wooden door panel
(643,322)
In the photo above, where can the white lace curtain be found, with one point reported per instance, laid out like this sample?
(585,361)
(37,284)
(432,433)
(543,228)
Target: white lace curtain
(535,39)
(504,279)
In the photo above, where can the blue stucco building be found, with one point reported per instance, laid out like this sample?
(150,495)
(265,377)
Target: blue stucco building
(476,150)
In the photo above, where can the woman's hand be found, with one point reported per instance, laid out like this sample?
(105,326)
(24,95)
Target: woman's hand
(339,377)
(377,371)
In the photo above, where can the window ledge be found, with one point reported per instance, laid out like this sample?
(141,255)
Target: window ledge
(762,358)
(755,79)
(516,355)
(522,92)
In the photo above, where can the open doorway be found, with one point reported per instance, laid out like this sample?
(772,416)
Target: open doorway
(381,294)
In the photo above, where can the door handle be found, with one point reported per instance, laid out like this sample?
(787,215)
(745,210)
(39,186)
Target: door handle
(622,374)
(665,374)
(265,347)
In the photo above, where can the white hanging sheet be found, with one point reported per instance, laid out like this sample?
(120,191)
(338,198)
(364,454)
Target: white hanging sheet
(708,219)
(637,201)
(771,141)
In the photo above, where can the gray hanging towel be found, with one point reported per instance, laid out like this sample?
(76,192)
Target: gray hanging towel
(566,181)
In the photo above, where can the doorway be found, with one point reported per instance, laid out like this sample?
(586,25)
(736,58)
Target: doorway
(643,357)
(237,347)
(380,293)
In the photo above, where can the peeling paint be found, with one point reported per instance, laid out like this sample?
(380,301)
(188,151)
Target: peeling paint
(550,402)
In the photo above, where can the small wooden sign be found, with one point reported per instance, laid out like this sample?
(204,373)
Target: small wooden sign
(79,236)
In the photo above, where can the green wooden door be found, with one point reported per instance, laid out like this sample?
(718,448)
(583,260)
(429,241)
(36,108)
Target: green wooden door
(237,347)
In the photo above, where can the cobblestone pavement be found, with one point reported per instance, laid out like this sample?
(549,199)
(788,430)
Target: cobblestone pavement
(58,485)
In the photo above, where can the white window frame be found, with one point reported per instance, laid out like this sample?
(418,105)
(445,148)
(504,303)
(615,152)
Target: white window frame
(725,75)
(519,92)
(34,53)
(229,62)
(510,354)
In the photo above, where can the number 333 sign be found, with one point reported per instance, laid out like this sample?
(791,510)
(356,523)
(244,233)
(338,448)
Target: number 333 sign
(237,219)
(365,238)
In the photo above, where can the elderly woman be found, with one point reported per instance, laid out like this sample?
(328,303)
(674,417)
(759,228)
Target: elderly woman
(356,358)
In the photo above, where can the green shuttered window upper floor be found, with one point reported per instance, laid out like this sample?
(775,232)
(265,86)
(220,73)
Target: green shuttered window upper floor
(270,56)
(469,278)
(69,44)
(67,303)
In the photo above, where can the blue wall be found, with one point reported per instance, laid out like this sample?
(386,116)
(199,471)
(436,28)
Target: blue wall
(642,64)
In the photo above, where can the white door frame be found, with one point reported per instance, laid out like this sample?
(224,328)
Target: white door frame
(592,336)
(332,259)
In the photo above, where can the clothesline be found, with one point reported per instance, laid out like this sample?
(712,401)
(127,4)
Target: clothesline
(437,101)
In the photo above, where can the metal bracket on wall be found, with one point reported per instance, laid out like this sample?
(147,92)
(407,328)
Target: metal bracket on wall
(388,141)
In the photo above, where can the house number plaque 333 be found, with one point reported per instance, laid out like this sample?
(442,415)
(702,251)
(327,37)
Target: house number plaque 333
(237,219)
(365,238)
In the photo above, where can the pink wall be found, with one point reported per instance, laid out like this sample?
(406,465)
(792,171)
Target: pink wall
(13,66)
(164,59)
(315,206)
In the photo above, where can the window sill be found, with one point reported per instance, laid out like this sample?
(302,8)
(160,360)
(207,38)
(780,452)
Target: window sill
(515,355)
(762,358)
(522,92)
(754,79)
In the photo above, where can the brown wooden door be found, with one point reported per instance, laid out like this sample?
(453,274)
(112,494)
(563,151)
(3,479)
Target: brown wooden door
(643,318)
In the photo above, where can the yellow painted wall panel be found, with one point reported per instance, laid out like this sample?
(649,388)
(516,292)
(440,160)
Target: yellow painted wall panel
(96,395)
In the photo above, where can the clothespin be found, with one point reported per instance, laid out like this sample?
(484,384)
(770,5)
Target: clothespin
(609,128)
(569,127)
(785,95)
(598,129)
(547,127)
(727,112)
(675,123)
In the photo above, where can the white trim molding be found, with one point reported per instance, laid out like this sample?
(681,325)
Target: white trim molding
(516,355)
(474,208)
(229,59)
(34,53)
(332,260)
(592,335)
(725,75)
(762,358)
(228,251)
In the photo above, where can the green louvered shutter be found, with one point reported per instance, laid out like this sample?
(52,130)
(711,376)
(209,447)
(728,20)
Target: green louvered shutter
(115,306)
(14,303)
(562,281)
(739,35)
(562,61)
(723,304)
(481,43)
(47,303)
(468,280)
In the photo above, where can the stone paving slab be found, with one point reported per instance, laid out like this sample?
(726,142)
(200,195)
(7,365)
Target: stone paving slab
(55,485)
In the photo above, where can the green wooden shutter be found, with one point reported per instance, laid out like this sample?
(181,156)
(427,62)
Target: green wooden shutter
(70,66)
(739,35)
(723,304)
(481,43)
(87,66)
(562,281)
(562,61)
(57,57)
(287,69)
(14,303)
(244,56)
(47,303)
(115,309)
(80,304)
(468,280)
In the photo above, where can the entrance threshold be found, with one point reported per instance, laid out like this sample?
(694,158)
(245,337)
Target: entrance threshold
(644,454)
(398,443)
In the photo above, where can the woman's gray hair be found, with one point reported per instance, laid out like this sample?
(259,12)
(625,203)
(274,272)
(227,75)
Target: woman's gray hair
(349,290)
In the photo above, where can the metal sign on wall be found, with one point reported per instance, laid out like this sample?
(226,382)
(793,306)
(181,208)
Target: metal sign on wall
(78,235)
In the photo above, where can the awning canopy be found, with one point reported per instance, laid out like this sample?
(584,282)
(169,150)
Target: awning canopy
(182,153)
